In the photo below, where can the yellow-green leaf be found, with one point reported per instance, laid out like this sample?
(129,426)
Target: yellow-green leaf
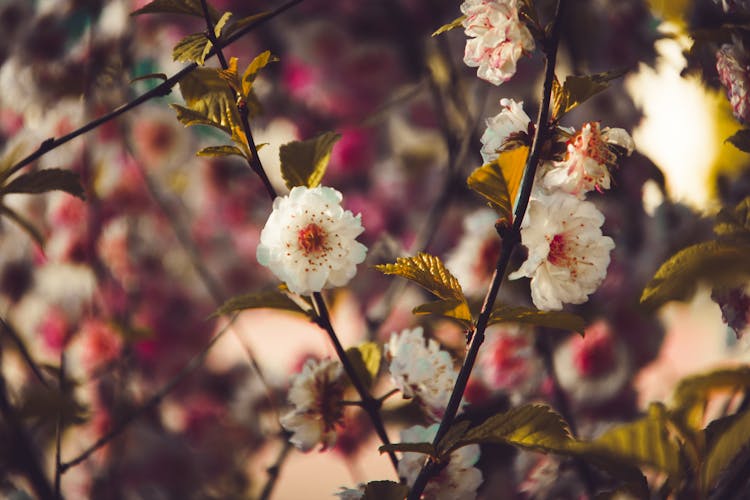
(732,440)
(531,426)
(260,300)
(303,163)
(735,221)
(238,24)
(219,26)
(426,448)
(206,94)
(160,76)
(366,361)
(455,432)
(447,27)
(692,392)
(42,181)
(385,490)
(717,263)
(548,319)
(498,182)
(454,309)
(192,48)
(251,72)
(427,271)
(578,89)
(187,7)
(225,150)
(643,442)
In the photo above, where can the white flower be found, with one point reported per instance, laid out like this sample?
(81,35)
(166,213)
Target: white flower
(512,119)
(473,261)
(733,65)
(459,480)
(568,256)
(309,240)
(587,161)
(421,370)
(315,394)
(498,38)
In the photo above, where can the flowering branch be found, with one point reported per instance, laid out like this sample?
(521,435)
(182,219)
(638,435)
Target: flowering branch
(25,354)
(160,90)
(511,237)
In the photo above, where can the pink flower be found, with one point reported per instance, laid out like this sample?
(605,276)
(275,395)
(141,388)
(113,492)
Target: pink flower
(498,38)
(733,65)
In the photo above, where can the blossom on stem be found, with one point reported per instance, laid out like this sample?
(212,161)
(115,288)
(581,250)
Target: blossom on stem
(459,480)
(568,255)
(421,370)
(315,394)
(309,240)
(511,120)
(497,40)
(474,259)
(587,160)
(733,65)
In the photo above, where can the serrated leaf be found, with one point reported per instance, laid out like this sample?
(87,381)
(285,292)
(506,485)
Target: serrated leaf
(192,48)
(208,97)
(426,448)
(42,181)
(531,426)
(548,319)
(24,224)
(717,263)
(385,490)
(577,89)
(498,182)
(643,442)
(733,439)
(451,25)
(303,163)
(740,140)
(251,72)
(188,117)
(226,150)
(456,431)
(230,76)
(692,392)
(366,361)
(187,7)
(150,76)
(454,309)
(260,300)
(219,26)
(735,221)
(427,271)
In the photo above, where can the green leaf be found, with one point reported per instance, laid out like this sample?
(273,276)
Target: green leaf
(578,89)
(455,432)
(427,271)
(187,7)
(454,309)
(42,181)
(192,48)
(734,222)
(385,490)
(643,442)
(251,72)
(219,26)
(366,361)
(693,392)
(531,426)
(207,95)
(303,163)
(498,182)
(548,319)
(238,24)
(717,263)
(226,150)
(273,299)
(740,140)
(447,27)
(734,439)
(426,448)
(24,224)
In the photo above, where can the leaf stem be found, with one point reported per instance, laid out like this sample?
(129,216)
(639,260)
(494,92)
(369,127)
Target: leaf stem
(511,239)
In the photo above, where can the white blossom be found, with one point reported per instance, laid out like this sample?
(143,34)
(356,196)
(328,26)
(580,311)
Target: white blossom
(473,260)
(568,256)
(512,119)
(309,240)
(733,65)
(459,480)
(497,40)
(587,160)
(421,370)
(315,394)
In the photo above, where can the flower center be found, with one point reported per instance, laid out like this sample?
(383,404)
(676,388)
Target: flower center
(556,255)
(589,143)
(312,239)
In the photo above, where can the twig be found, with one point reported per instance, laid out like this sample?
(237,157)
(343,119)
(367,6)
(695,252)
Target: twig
(511,237)
(152,402)
(274,470)
(160,90)
(25,354)
(59,429)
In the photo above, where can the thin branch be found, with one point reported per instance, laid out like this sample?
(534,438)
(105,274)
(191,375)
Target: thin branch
(511,239)
(160,90)
(152,402)
(59,427)
(275,469)
(25,354)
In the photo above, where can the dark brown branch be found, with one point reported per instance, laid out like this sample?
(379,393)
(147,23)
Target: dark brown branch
(25,354)
(275,470)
